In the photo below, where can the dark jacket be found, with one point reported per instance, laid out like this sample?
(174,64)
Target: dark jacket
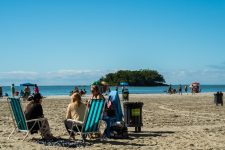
(33,111)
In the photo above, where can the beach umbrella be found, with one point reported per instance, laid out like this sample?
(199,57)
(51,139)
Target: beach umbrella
(27,84)
(123,83)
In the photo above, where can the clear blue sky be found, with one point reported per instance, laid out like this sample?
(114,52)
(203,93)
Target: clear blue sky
(78,41)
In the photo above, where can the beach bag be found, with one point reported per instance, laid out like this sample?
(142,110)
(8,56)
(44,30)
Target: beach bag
(119,130)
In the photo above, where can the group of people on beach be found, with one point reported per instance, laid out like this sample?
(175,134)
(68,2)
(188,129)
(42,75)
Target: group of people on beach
(81,91)
(178,90)
(25,93)
(194,88)
(75,111)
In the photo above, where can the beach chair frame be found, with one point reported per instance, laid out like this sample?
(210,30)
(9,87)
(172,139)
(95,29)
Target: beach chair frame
(82,132)
(18,117)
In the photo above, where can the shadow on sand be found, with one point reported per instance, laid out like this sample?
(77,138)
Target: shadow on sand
(134,135)
(149,134)
(120,142)
(61,142)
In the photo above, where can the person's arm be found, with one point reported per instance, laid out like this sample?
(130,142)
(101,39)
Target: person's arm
(27,112)
(68,113)
(40,111)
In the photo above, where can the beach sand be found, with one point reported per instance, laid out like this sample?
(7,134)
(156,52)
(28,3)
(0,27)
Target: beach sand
(170,122)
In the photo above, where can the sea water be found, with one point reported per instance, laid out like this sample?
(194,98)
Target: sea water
(65,90)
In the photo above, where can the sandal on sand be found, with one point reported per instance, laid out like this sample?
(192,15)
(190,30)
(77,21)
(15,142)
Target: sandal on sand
(49,137)
(72,137)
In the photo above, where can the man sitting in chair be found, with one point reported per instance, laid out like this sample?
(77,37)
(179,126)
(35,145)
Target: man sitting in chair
(75,112)
(34,111)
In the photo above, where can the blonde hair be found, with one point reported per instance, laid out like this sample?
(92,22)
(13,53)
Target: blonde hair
(76,98)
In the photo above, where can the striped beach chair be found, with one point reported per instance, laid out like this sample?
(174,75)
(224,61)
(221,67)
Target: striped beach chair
(18,117)
(92,118)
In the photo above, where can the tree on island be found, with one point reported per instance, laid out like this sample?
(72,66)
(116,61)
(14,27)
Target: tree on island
(143,77)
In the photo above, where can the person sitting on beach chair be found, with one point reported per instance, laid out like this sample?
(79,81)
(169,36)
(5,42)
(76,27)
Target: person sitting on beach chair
(92,125)
(34,111)
(75,112)
(96,92)
(97,95)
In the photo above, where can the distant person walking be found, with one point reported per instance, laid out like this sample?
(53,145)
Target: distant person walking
(26,92)
(186,89)
(13,90)
(1,91)
(170,89)
(36,89)
(76,90)
(180,90)
(191,88)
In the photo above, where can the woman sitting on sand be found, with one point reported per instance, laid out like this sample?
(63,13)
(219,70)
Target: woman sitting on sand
(75,111)
(34,111)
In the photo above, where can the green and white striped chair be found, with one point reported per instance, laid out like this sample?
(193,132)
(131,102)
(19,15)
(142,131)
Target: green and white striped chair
(19,120)
(92,118)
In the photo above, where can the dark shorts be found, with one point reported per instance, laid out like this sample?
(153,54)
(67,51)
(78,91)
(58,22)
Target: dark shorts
(70,128)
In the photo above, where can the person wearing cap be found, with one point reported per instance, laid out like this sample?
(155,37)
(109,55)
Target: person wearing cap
(34,110)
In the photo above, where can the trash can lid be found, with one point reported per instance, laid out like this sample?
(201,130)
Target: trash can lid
(133,104)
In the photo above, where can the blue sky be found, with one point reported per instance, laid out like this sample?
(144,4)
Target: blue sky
(77,41)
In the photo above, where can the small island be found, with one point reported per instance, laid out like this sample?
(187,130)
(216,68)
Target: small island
(143,77)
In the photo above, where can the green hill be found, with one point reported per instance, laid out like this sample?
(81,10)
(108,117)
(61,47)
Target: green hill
(144,77)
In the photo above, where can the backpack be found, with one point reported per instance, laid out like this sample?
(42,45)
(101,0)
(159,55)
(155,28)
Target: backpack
(119,131)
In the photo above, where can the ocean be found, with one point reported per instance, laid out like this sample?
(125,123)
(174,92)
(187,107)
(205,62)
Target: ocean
(65,90)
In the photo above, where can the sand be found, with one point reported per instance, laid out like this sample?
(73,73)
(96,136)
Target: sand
(170,122)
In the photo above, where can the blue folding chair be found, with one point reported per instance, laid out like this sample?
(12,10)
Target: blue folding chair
(18,117)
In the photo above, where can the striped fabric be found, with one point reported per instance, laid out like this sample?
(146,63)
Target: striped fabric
(18,113)
(94,116)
